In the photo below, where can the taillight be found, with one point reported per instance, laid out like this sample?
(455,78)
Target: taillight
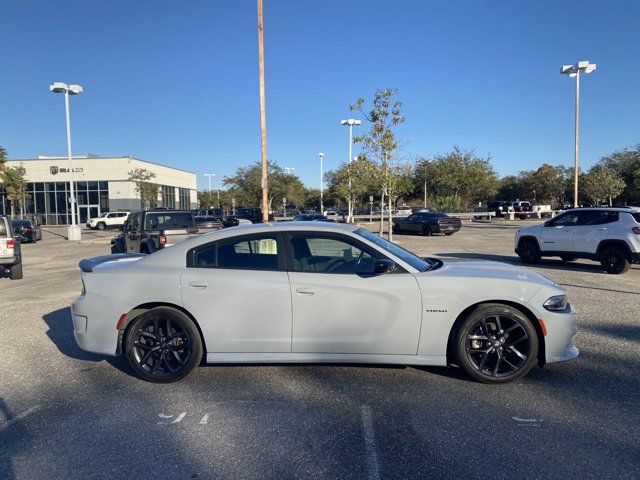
(636,230)
(163,240)
(11,243)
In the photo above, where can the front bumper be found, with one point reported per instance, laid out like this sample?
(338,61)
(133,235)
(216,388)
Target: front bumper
(560,341)
(635,257)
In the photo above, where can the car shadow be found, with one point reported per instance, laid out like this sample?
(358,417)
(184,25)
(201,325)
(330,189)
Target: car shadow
(61,334)
(544,263)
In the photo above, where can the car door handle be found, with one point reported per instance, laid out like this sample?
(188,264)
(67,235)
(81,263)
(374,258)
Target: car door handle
(305,291)
(199,285)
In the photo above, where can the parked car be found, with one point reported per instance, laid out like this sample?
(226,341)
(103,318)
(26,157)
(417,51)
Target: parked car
(427,223)
(311,217)
(27,231)
(497,207)
(207,223)
(254,214)
(610,236)
(149,231)
(403,210)
(107,220)
(317,293)
(10,251)
(521,209)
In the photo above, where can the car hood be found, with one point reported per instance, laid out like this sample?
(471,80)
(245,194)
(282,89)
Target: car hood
(493,270)
(532,230)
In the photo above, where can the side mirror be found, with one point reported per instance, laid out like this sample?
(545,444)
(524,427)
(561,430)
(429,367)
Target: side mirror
(384,266)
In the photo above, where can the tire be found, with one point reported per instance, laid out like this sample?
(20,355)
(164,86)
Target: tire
(485,344)
(15,271)
(168,350)
(396,229)
(448,233)
(529,252)
(101,226)
(567,258)
(614,260)
(426,231)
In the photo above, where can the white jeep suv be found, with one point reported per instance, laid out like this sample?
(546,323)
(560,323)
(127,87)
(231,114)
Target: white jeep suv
(610,235)
(107,220)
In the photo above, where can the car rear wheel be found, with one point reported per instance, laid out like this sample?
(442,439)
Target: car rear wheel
(163,345)
(449,233)
(496,344)
(15,271)
(101,226)
(426,231)
(529,251)
(614,260)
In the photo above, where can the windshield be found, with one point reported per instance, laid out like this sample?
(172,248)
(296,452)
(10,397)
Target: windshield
(404,255)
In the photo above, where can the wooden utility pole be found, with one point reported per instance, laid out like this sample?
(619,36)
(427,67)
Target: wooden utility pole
(263,118)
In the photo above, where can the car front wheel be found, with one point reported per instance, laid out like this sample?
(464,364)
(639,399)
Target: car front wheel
(101,226)
(496,344)
(163,345)
(426,231)
(529,251)
(614,260)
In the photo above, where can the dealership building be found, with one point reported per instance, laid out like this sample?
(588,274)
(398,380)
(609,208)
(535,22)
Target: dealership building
(102,185)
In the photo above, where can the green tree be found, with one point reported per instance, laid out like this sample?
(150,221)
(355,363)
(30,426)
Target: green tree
(545,185)
(145,188)
(245,186)
(626,164)
(15,184)
(602,183)
(379,142)
(3,158)
(361,172)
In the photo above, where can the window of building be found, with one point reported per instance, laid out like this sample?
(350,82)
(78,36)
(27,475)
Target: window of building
(184,199)
(168,196)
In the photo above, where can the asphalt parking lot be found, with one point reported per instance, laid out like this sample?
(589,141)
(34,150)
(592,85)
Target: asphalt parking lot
(65,413)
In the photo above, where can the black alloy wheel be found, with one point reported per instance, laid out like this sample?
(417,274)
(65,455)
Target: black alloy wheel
(529,251)
(396,228)
(426,230)
(497,344)
(614,260)
(163,345)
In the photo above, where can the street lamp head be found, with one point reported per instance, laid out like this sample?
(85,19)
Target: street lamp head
(75,89)
(59,87)
(321,154)
(350,122)
(581,66)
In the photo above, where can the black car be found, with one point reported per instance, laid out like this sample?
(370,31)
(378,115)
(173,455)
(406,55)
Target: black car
(253,214)
(27,231)
(427,223)
(311,217)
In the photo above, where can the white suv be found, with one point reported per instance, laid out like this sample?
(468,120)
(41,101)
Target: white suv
(107,219)
(606,234)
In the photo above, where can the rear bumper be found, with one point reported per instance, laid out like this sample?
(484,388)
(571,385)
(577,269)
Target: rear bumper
(10,260)
(447,228)
(94,323)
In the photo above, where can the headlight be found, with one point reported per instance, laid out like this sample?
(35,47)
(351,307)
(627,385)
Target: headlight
(557,303)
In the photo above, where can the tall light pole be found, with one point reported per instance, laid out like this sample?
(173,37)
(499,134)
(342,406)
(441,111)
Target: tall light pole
(263,118)
(210,175)
(574,71)
(321,155)
(73,231)
(351,122)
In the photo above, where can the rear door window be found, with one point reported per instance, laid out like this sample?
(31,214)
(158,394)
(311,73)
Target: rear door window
(256,252)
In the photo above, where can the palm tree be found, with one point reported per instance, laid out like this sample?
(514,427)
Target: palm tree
(3,157)
(14,184)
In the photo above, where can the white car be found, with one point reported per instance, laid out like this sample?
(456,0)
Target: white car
(107,220)
(609,235)
(309,292)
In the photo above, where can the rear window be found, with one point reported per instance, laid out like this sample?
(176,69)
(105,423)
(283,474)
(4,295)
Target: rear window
(3,228)
(168,221)
(636,216)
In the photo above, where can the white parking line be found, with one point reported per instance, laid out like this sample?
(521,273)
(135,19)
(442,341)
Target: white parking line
(20,416)
(370,452)
(205,419)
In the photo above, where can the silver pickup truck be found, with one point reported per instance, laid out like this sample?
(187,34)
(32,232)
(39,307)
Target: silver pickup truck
(10,253)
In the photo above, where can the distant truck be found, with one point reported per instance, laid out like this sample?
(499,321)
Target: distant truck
(149,231)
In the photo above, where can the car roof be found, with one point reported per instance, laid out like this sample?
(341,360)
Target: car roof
(606,209)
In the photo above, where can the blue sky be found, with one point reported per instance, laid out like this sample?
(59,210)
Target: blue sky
(176,82)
